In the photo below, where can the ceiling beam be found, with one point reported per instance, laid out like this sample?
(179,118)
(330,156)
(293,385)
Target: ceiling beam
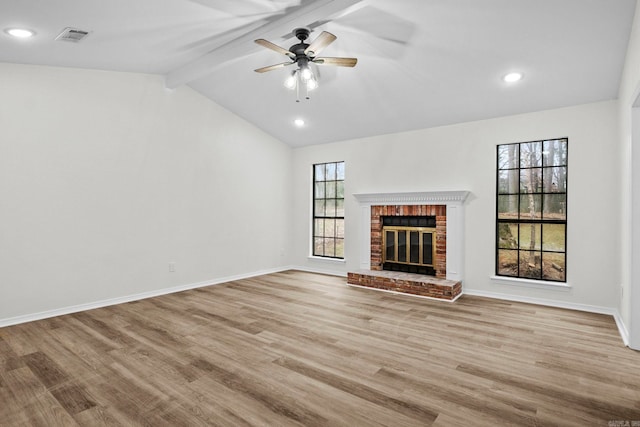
(304,15)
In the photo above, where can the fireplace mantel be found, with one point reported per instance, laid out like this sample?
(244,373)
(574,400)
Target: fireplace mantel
(412,198)
(454,202)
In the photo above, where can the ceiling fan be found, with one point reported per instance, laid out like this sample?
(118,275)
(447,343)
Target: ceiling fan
(302,54)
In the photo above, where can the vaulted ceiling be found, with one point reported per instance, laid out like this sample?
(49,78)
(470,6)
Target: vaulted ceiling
(421,63)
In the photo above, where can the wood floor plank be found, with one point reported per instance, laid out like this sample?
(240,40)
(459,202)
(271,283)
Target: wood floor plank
(47,371)
(303,349)
(421,413)
(26,401)
(8,358)
(73,398)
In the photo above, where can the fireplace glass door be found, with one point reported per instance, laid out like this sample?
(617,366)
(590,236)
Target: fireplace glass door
(408,246)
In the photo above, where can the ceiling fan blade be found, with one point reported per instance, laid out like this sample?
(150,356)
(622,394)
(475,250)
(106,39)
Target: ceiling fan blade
(272,46)
(273,67)
(340,62)
(323,40)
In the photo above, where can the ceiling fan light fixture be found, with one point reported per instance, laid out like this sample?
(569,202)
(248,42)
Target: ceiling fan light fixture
(312,84)
(306,73)
(291,81)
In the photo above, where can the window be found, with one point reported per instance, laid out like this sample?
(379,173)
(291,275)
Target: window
(531,210)
(328,210)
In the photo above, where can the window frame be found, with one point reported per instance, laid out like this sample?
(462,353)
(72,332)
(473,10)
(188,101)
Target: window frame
(336,236)
(540,216)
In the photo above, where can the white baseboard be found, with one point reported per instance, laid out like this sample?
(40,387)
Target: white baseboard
(622,330)
(318,270)
(135,297)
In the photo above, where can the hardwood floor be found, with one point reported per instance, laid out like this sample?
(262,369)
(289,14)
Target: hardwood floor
(298,348)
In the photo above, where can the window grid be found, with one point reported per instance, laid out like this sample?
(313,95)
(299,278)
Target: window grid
(531,221)
(328,210)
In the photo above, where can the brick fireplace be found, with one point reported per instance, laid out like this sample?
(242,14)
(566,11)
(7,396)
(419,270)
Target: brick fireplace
(437,211)
(448,209)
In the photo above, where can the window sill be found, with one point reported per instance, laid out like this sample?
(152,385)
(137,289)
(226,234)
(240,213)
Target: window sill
(330,260)
(529,283)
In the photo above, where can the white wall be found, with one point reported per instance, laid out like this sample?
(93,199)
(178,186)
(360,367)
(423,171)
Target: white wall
(630,179)
(107,177)
(463,157)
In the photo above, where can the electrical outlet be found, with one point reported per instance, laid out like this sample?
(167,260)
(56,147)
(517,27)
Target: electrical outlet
(172,267)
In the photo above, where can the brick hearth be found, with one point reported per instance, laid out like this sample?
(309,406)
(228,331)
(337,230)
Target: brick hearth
(416,284)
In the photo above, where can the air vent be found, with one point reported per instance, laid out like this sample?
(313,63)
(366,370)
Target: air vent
(72,35)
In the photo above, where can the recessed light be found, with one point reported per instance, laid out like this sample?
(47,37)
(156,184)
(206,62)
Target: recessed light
(20,33)
(513,77)
(298,122)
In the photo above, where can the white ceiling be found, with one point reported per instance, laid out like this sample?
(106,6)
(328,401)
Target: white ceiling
(421,63)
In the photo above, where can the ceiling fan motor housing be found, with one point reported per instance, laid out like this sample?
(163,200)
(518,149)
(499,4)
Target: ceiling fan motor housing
(298,49)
